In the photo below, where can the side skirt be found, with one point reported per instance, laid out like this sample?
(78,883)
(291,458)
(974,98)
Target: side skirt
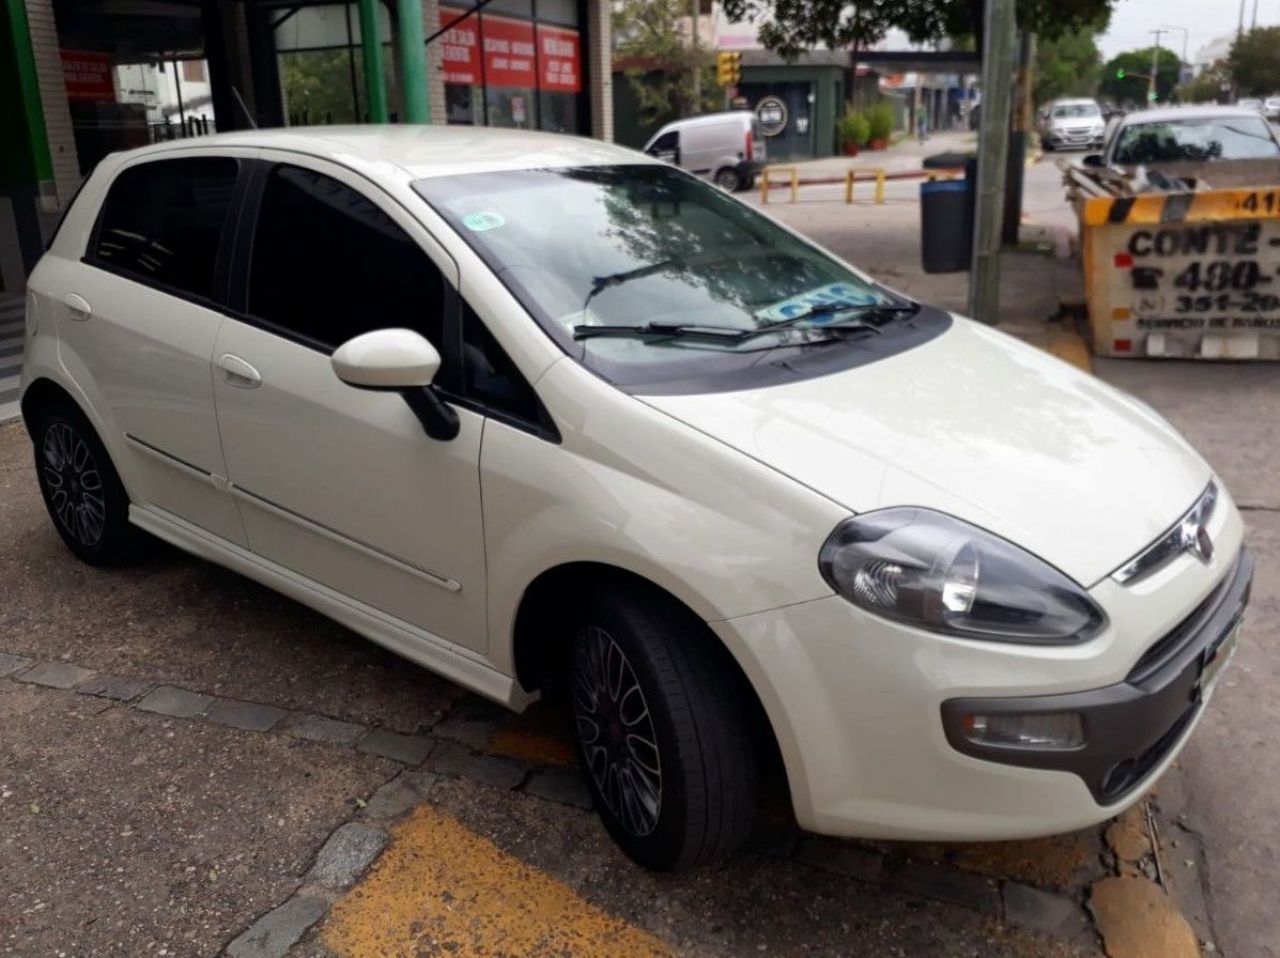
(426,649)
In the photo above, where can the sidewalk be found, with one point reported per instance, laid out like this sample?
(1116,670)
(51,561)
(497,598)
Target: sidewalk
(907,154)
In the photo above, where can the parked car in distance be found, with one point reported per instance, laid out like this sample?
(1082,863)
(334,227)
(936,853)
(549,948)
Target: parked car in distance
(726,148)
(552,417)
(1188,134)
(1251,103)
(1271,107)
(1076,123)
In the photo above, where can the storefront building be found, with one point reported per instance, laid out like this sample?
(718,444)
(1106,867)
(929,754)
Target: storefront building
(80,80)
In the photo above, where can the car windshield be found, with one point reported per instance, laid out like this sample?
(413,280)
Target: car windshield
(1076,110)
(641,271)
(1174,141)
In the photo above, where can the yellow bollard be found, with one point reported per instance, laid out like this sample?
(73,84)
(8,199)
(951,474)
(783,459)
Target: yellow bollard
(764,185)
(795,183)
(880,178)
(848,186)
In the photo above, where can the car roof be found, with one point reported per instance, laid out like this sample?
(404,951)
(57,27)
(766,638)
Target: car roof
(708,119)
(1071,100)
(1201,112)
(420,150)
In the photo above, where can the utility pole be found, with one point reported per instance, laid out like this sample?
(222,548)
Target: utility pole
(1240,23)
(998,41)
(1020,123)
(1254,25)
(697,65)
(1155,68)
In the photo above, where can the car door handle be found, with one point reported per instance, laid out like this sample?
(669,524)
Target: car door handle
(77,306)
(236,372)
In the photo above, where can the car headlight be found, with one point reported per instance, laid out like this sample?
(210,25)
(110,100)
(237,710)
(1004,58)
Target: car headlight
(929,570)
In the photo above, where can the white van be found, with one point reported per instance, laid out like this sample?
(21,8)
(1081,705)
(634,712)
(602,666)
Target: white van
(725,148)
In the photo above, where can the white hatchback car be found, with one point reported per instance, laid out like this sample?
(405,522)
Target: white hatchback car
(548,416)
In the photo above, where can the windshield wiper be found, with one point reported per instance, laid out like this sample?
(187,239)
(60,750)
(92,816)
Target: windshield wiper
(666,330)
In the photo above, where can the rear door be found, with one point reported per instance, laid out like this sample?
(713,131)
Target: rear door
(339,484)
(137,323)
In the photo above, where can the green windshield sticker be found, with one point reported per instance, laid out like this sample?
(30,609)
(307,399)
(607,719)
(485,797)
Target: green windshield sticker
(479,222)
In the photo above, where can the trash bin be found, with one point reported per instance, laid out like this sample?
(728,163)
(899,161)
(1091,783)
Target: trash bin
(946,239)
(946,214)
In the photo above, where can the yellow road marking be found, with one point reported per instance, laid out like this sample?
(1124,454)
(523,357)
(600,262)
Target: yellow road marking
(1072,348)
(442,889)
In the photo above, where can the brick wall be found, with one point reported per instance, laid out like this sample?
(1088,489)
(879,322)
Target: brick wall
(435,63)
(53,98)
(599,55)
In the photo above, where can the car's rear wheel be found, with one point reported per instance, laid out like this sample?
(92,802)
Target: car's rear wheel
(81,489)
(728,179)
(662,730)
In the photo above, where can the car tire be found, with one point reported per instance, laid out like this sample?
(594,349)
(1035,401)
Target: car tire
(1048,147)
(81,488)
(662,730)
(728,179)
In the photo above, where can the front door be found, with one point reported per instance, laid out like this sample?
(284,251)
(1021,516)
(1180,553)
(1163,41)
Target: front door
(336,483)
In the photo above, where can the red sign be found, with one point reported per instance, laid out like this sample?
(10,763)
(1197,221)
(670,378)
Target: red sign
(508,52)
(558,65)
(87,75)
(460,47)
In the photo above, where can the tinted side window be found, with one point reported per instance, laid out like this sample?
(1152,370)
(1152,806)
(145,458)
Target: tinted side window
(491,377)
(328,264)
(163,221)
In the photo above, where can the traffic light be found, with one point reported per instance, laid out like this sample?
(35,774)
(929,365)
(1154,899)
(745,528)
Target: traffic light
(1120,74)
(728,68)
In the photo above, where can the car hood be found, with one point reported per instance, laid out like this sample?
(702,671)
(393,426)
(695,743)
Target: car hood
(983,427)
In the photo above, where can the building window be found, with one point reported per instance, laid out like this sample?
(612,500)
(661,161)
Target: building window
(514,64)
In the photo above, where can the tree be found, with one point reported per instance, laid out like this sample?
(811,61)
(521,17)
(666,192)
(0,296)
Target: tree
(1253,63)
(1124,76)
(1066,66)
(1211,86)
(790,27)
(659,62)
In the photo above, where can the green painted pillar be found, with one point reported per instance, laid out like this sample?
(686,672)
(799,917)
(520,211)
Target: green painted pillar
(25,160)
(413,62)
(375,82)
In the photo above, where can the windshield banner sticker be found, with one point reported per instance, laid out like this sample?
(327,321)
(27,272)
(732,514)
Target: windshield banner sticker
(834,294)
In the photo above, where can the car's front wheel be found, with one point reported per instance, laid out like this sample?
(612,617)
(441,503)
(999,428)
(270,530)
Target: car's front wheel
(728,179)
(81,489)
(662,730)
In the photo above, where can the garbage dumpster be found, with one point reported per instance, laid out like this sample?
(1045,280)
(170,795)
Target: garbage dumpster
(1188,274)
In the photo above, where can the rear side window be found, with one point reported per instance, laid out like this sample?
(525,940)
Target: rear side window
(163,221)
(328,264)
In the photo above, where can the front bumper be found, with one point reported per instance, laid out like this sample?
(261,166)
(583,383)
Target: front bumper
(1131,726)
(856,704)
(1081,140)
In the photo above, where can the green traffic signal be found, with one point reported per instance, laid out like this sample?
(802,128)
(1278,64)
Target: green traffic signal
(1119,74)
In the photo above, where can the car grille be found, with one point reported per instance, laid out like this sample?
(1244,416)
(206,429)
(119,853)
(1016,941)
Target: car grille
(1167,647)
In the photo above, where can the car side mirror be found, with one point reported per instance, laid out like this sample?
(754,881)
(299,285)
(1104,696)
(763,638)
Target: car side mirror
(387,359)
(1093,159)
(399,360)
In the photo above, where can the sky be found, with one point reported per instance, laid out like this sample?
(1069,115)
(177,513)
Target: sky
(1204,20)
